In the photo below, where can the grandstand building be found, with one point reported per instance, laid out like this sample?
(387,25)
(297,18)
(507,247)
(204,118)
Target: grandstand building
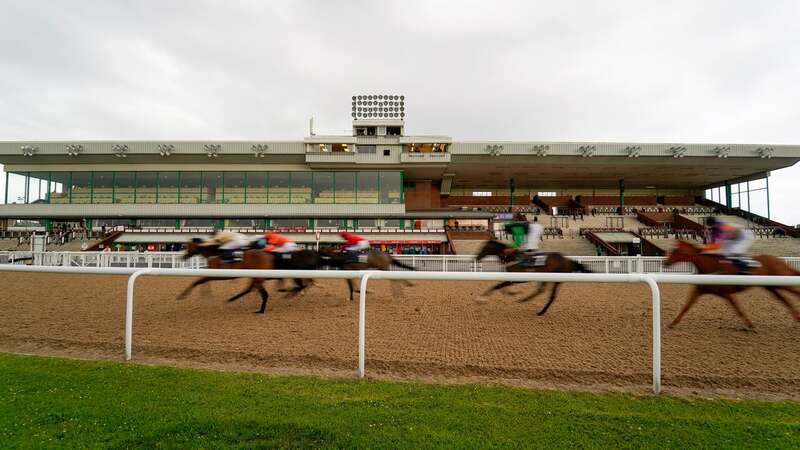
(407,193)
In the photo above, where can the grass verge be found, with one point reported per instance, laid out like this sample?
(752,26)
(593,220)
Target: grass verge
(53,402)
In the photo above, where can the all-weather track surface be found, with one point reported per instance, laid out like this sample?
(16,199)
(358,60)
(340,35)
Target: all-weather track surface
(595,336)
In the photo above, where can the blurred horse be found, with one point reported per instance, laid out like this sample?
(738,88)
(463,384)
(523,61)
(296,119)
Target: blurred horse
(707,263)
(375,259)
(516,261)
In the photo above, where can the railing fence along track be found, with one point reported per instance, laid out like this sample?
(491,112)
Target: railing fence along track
(651,280)
(442,263)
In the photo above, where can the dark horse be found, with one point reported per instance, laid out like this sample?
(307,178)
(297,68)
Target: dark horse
(715,264)
(516,261)
(253,258)
(376,259)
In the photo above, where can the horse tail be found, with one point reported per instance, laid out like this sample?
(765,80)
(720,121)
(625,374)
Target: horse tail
(401,265)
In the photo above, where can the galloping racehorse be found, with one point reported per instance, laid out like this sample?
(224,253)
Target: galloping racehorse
(376,259)
(253,258)
(715,264)
(515,261)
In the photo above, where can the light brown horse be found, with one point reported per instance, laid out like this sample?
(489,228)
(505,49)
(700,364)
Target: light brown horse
(715,264)
(251,259)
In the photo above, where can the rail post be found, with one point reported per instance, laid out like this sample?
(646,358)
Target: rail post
(362,323)
(129,312)
(656,297)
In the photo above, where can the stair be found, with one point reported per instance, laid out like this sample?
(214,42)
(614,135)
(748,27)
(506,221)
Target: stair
(569,247)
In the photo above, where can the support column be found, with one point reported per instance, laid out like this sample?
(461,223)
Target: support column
(768,210)
(511,186)
(728,198)
(622,196)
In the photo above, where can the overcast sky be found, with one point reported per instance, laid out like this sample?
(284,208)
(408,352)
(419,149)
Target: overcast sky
(726,71)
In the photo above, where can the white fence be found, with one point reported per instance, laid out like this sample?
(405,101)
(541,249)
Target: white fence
(428,263)
(651,280)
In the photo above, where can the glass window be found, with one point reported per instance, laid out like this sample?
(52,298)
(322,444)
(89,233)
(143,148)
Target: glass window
(233,191)
(111,223)
(345,187)
(391,190)
(59,187)
(124,187)
(368,189)
(81,187)
(167,187)
(199,223)
(16,188)
(279,187)
(190,187)
(102,187)
(391,223)
(367,223)
(301,187)
(212,187)
(328,223)
(156,223)
(758,202)
(242,223)
(289,223)
(323,187)
(37,187)
(146,187)
(761,183)
(256,187)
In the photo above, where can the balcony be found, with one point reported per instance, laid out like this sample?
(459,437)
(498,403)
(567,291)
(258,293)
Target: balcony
(364,155)
(425,158)
(331,157)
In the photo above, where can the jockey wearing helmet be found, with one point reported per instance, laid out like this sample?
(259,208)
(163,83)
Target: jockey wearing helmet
(729,241)
(279,243)
(230,245)
(353,244)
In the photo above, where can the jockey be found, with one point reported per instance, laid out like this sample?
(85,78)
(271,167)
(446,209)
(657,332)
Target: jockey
(518,230)
(353,244)
(729,241)
(230,245)
(279,243)
(534,237)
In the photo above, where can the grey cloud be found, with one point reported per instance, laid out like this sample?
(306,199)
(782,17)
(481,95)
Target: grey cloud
(716,71)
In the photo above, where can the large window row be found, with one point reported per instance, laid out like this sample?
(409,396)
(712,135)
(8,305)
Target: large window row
(752,196)
(205,187)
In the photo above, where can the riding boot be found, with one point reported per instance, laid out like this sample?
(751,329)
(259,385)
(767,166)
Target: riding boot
(227,256)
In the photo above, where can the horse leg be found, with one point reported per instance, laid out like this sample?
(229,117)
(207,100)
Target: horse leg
(350,286)
(550,302)
(244,292)
(541,288)
(738,310)
(693,296)
(775,292)
(196,283)
(791,289)
(498,286)
(264,295)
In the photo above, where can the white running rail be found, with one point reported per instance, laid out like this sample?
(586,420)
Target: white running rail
(437,263)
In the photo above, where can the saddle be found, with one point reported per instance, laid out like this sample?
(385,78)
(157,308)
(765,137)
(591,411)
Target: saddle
(744,265)
(532,260)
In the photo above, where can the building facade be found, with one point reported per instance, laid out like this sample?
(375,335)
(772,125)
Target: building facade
(378,179)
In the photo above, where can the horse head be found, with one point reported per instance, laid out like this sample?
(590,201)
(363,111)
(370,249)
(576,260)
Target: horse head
(494,247)
(192,248)
(684,251)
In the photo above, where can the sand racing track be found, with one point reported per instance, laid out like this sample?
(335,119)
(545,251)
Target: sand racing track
(595,337)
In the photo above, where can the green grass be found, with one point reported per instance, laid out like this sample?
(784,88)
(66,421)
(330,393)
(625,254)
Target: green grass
(61,403)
